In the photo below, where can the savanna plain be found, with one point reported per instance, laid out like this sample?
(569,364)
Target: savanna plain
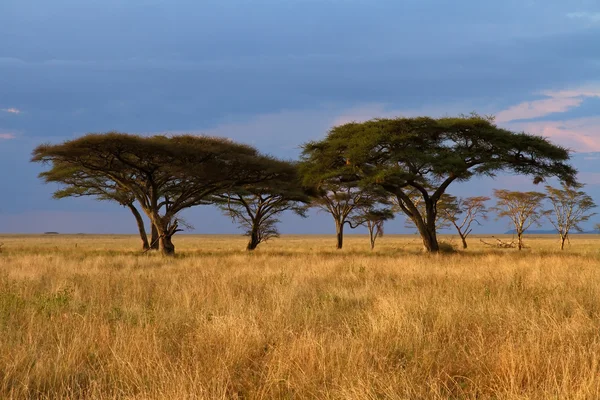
(91,317)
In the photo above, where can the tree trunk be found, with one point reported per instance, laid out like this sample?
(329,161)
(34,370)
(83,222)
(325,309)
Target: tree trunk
(141,227)
(166,245)
(165,235)
(254,240)
(427,229)
(154,238)
(562,242)
(372,234)
(339,228)
(464,241)
(520,240)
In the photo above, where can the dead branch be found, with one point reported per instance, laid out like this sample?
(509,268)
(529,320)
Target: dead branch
(500,244)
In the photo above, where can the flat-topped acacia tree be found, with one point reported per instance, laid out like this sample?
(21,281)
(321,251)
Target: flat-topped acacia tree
(164,174)
(402,155)
(257,207)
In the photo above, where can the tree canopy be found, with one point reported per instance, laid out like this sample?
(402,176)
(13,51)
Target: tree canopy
(164,174)
(425,154)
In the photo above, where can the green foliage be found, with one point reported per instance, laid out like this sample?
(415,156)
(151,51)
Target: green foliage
(425,155)
(256,207)
(165,175)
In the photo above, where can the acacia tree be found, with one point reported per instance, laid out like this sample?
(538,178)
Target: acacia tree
(462,212)
(373,219)
(336,191)
(571,207)
(427,155)
(78,182)
(164,174)
(522,208)
(257,207)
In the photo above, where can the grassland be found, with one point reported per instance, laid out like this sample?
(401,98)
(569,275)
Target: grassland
(91,317)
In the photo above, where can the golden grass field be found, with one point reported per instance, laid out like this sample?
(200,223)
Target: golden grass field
(89,317)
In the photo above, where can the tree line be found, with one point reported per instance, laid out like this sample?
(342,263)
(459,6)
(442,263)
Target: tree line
(362,174)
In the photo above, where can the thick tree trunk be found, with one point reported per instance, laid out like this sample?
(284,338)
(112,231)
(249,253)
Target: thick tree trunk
(430,242)
(166,245)
(464,241)
(339,229)
(520,240)
(562,242)
(141,227)
(154,238)
(427,229)
(254,239)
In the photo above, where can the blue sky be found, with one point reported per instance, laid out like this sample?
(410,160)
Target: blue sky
(276,73)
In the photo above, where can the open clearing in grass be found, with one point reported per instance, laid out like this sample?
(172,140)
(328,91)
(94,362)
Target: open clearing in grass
(84,316)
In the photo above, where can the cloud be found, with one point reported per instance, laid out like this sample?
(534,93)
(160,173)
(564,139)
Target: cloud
(580,134)
(554,102)
(7,136)
(590,16)
(12,110)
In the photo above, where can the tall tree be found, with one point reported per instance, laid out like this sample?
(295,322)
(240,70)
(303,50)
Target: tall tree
(405,154)
(257,207)
(164,174)
(78,182)
(462,212)
(522,208)
(373,219)
(570,207)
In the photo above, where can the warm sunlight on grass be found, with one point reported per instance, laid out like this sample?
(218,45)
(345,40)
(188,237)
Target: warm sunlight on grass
(91,317)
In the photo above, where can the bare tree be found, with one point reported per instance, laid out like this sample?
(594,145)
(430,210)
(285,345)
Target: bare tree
(522,208)
(462,213)
(571,207)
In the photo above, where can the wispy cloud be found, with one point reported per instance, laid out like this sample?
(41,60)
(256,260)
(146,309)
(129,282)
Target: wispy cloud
(12,110)
(553,102)
(6,136)
(580,134)
(590,16)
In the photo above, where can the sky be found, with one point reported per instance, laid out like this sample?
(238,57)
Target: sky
(277,73)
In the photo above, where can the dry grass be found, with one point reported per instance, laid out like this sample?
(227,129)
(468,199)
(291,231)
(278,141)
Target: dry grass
(297,319)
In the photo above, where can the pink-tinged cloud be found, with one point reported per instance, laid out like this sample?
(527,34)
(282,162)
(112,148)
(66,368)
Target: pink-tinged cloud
(554,102)
(7,136)
(581,134)
(12,110)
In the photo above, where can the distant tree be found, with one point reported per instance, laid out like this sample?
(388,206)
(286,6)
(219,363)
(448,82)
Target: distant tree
(462,212)
(373,219)
(79,182)
(405,154)
(336,192)
(570,208)
(164,174)
(257,207)
(522,208)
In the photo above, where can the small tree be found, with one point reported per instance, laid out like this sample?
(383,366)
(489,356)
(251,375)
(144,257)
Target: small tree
(257,207)
(463,212)
(373,219)
(522,208)
(336,192)
(571,207)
